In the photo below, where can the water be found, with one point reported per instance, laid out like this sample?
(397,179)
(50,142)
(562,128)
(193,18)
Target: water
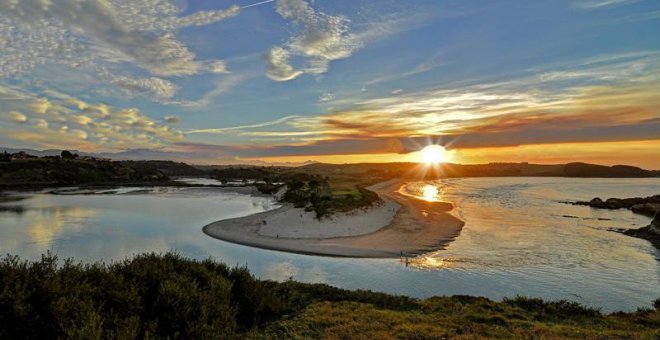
(518,239)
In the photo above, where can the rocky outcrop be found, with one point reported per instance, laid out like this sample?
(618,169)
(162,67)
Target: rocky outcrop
(651,232)
(647,206)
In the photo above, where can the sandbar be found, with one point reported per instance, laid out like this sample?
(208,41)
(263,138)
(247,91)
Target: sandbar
(400,226)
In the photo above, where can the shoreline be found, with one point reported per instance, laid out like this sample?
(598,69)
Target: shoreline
(401,225)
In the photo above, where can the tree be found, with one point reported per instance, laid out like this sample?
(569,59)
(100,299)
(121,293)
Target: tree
(66,154)
(5,157)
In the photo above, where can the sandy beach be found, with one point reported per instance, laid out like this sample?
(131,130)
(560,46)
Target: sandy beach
(400,225)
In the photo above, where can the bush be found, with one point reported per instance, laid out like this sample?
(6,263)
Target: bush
(544,310)
(165,296)
(148,296)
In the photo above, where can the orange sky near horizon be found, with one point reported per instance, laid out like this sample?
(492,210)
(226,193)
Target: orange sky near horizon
(644,154)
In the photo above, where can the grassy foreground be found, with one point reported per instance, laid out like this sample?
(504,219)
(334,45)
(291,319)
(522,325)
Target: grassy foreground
(167,296)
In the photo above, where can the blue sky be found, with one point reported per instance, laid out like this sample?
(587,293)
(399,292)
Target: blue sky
(224,81)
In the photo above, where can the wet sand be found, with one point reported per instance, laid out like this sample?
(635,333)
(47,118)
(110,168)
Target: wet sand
(401,225)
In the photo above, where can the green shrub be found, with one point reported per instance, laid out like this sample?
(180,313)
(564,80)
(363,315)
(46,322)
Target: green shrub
(148,296)
(168,297)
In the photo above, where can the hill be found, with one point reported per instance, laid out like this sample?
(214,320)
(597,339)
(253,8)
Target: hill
(39,172)
(415,170)
(23,169)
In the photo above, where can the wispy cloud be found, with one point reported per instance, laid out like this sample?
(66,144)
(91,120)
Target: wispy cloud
(605,98)
(278,65)
(244,127)
(323,38)
(597,4)
(221,87)
(326,97)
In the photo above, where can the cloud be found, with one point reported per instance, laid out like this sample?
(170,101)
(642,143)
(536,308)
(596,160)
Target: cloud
(278,67)
(221,86)
(40,105)
(17,117)
(600,99)
(217,66)
(323,38)
(102,36)
(40,123)
(597,4)
(326,97)
(497,114)
(244,127)
(147,86)
(98,19)
(69,121)
(162,15)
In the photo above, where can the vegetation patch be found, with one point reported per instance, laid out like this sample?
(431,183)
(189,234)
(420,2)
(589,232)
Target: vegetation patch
(323,194)
(167,296)
(70,169)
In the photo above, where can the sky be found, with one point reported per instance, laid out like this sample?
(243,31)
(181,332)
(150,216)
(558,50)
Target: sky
(291,81)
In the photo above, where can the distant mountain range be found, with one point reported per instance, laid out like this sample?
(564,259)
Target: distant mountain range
(149,154)
(415,170)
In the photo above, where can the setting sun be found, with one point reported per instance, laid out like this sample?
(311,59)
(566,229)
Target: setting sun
(433,154)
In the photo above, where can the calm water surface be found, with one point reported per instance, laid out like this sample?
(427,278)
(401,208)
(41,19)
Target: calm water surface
(518,239)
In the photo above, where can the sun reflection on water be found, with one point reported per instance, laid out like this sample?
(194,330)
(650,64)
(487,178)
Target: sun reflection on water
(430,192)
(430,263)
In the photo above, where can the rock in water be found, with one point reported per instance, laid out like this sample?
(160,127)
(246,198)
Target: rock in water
(596,201)
(647,206)
(647,209)
(654,227)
